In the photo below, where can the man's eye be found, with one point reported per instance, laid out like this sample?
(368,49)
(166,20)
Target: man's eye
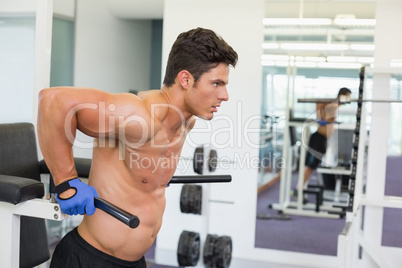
(215,84)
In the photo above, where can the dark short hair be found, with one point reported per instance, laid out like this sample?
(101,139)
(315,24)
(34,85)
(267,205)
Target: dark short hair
(344,91)
(197,51)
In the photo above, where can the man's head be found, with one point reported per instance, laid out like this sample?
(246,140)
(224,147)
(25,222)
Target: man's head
(344,92)
(197,51)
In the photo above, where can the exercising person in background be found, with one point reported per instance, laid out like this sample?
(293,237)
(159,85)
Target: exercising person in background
(138,140)
(317,146)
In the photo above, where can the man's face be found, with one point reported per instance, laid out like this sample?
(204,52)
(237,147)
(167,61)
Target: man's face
(204,99)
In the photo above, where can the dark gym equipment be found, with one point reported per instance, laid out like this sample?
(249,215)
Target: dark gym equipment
(201,179)
(223,252)
(355,148)
(191,199)
(217,251)
(133,221)
(127,218)
(212,160)
(208,255)
(198,160)
(188,249)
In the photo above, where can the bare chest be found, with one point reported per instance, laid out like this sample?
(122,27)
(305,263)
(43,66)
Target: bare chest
(156,161)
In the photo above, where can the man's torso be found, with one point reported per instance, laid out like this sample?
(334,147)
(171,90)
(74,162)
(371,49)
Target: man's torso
(134,179)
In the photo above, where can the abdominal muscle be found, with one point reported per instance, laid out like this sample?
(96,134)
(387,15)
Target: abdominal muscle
(119,185)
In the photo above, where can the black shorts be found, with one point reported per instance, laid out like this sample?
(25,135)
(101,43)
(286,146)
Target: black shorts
(317,148)
(74,252)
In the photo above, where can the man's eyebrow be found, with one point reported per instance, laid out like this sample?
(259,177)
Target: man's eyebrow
(219,81)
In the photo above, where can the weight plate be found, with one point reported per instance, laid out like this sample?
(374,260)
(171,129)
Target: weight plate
(208,255)
(188,249)
(191,199)
(223,252)
(212,160)
(198,160)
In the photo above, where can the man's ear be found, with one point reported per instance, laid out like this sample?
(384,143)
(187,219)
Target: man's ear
(185,78)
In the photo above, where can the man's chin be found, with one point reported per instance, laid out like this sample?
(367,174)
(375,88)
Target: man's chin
(206,117)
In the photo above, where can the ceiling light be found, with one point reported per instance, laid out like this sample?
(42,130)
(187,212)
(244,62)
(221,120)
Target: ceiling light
(275,57)
(313,46)
(306,64)
(310,59)
(364,47)
(354,22)
(270,45)
(283,63)
(365,60)
(318,46)
(341,59)
(267,63)
(339,65)
(314,59)
(297,21)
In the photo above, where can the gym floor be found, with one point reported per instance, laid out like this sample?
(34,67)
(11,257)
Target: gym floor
(319,235)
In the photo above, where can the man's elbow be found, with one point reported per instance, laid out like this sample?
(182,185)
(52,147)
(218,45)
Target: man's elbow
(44,94)
(46,99)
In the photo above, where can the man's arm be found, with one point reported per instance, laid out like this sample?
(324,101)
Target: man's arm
(96,113)
(320,110)
(326,112)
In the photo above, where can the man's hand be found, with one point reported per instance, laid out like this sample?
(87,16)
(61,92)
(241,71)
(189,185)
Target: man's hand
(79,201)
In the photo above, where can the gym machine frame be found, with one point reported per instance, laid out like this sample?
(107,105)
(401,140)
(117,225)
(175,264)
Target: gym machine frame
(320,208)
(10,215)
(352,240)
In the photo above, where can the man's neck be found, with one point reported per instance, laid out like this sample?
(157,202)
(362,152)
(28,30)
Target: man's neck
(177,114)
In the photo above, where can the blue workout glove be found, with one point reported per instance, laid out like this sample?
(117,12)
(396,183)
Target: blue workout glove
(322,122)
(81,202)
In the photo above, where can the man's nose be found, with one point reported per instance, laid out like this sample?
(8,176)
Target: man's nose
(224,95)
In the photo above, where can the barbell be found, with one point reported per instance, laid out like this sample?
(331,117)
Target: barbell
(344,100)
(133,221)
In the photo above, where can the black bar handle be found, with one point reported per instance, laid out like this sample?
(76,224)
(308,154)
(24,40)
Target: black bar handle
(133,221)
(201,179)
(125,217)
